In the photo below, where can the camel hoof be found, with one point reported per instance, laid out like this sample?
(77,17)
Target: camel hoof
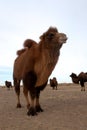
(18,105)
(31,111)
(39,109)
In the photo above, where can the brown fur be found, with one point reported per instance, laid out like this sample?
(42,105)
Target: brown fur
(53,83)
(35,65)
(81,78)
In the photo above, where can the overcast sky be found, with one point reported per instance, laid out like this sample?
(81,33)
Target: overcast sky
(22,19)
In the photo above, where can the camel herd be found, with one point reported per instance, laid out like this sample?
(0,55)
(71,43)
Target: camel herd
(80,79)
(34,64)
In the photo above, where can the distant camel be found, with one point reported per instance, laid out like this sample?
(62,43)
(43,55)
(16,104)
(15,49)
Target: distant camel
(81,78)
(8,84)
(54,83)
(74,78)
(35,64)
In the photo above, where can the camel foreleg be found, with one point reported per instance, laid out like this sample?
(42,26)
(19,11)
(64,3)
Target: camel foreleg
(17,90)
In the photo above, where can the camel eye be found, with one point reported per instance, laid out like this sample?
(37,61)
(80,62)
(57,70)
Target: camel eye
(50,35)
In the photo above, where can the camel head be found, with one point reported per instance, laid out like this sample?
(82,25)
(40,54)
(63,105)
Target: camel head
(73,75)
(53,38)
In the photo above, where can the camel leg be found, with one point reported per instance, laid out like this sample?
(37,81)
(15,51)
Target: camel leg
(38,107)
(82,85)
(29,82)
(53,87)
(25,91)
(83,88)
(32,109)
(56,87)
(17,90)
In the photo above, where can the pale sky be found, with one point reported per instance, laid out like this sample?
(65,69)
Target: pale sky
(22,19)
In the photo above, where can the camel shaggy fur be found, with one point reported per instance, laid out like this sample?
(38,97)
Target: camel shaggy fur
(34,65)
(53,83)
(81,78)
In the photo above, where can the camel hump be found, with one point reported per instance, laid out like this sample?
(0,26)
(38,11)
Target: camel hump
(19,52)
(29,43)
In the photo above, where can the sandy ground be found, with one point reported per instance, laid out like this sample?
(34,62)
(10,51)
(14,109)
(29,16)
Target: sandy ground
(64,109)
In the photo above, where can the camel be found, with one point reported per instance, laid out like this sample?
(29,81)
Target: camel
(8,84)
(53,83)
(34,64)
(74,78)
(81,78)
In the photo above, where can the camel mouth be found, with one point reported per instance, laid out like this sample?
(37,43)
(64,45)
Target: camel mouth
(62,38)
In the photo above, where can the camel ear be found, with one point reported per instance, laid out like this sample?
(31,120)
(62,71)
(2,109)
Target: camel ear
(42,37)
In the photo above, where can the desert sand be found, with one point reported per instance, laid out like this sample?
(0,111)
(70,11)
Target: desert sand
(64,109)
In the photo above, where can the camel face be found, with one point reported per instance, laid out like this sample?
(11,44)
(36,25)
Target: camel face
(52,38)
